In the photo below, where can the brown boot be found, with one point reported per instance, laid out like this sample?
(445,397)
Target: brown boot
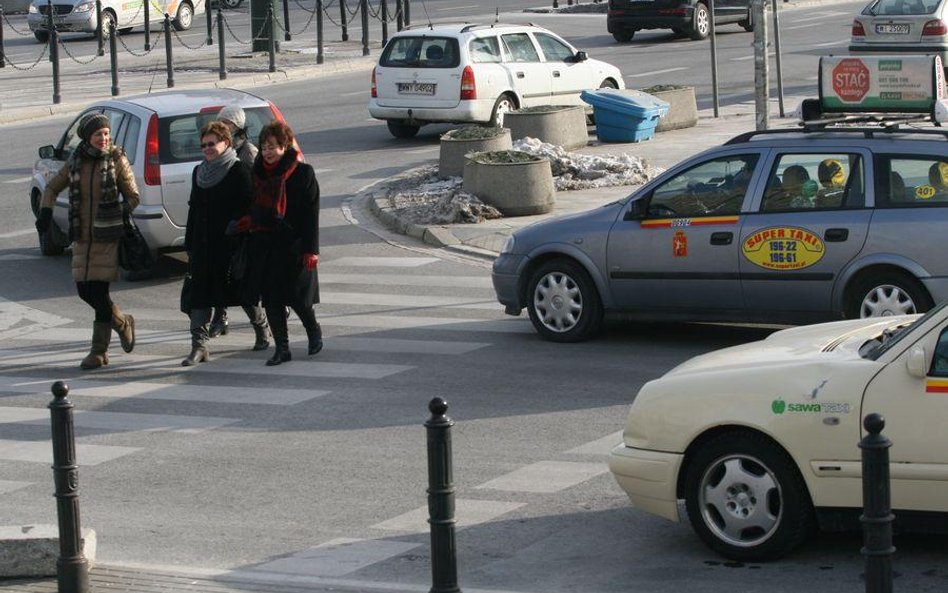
(124,326)
(99,353)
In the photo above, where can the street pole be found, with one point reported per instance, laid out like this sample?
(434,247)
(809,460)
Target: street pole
(169,61)
(761,82)
(344,21)
(100,46)
(113,58)
(714,61)
(220,44)
(320,55)
(286,21)
(779,60)
(147,25)
(364,7)
(210,23)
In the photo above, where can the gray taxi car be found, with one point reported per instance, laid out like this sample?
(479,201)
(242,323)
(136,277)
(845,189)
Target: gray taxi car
(789,227)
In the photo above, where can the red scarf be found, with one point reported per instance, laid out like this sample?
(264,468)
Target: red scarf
(269,197)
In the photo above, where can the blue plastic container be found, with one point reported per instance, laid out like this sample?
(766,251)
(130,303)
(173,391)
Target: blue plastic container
(624,116)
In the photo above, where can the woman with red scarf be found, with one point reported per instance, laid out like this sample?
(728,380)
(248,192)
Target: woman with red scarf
(283,228)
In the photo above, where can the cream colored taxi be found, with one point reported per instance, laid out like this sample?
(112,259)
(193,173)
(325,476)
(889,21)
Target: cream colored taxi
(760,440)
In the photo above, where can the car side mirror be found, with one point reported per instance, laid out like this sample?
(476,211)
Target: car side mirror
(581,56)
(47,152)
(916,362)
(637,209)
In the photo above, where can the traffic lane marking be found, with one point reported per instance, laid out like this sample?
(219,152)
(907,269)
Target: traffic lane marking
(468,513)
(546,477)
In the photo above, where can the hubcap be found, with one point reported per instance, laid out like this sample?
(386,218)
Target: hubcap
(702,22)
(740,500)
(887,300)
(502,108)
(558,302)
(185,16)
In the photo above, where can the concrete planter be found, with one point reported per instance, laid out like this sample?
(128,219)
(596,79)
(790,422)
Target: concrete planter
(516,189)
(15,6)
(562,125)
(451,160)
(682,111)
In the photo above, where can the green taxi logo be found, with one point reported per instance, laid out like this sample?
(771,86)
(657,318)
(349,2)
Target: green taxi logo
(783,248)
(925,192)
(778,406)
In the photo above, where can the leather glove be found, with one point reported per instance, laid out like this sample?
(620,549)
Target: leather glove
(44,219)
(235,227)
(310,260)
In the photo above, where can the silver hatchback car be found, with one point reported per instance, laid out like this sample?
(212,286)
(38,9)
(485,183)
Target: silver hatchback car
(902,27)
(788,226)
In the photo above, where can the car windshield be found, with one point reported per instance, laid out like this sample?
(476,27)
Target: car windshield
(884,342)
(903,7)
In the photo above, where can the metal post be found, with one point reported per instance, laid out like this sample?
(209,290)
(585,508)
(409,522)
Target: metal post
(320,56)
(220,44)
(761,63)
(113,58)
(407,4)
(72,568)
(399,21)
(168,59)
(210,24)
(54,58)
(271,46)
(444,571)
(779,61)
(286,21)
(100,45)
(364,8)
(3,58)
(714,61)
(344,21)
(147,25)
(384,15)
(556,4)
(49,24)
(877,515)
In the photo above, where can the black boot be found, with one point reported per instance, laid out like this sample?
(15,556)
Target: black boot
(260,328)
(219,324)
(314,332)
(281,337)
(199,338)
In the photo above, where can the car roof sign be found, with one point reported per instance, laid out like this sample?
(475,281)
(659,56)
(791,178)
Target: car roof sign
(881,84)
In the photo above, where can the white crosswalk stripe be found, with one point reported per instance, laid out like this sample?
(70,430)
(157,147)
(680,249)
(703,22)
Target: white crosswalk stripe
(117,421)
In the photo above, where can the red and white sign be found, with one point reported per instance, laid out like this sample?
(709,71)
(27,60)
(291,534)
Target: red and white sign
(851,80)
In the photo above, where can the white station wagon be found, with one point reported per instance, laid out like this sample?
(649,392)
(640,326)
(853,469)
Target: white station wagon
(761,440)
(475,73)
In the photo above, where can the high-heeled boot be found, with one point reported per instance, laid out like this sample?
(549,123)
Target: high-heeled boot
(261,330)
(280,337)
(314,332)
(219,324)
(199,338)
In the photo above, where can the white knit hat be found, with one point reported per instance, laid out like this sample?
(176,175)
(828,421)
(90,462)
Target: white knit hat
(233,114)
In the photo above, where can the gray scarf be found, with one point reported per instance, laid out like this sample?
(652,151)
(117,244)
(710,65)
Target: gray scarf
(210,173)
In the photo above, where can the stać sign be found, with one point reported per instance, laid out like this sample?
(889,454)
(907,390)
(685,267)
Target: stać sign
(908,84)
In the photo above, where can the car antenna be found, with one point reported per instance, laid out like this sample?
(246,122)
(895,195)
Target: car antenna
(424,6)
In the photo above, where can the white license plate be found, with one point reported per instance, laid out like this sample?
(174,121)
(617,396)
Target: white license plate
(416,88)
(892,29)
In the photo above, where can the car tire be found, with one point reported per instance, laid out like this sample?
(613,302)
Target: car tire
(701,23)
(184,18)
(608,84)
(108,19)
(623,36)
(748,23)
(564,305)
(746,498)
(402,130)
(504,104)
(41,36)
(231,4)
(887,293)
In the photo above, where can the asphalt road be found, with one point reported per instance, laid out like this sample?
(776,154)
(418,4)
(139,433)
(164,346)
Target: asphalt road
(317,468)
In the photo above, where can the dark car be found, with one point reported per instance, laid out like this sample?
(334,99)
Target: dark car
(684,17)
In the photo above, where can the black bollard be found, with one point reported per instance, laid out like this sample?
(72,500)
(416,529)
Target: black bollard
(220,44)
(407,12)
(147,26)
(54,58)
(271,43)
(345,21)
(556,4)
(72,568)
(320,56)
(399,25)
(113,59)
(876,510)
(444,565)
(210,24)
(364,7)
(384,16)
(168,59)
(286,21)
(3,57)
(49,23)
(100,45)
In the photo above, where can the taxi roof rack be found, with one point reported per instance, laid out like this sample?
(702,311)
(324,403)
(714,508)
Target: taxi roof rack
(867,132)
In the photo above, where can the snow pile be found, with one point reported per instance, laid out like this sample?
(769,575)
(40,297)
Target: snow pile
(572,170)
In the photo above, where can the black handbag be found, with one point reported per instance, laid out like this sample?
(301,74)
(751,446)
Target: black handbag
(186,295)
(133,252)
(238,262)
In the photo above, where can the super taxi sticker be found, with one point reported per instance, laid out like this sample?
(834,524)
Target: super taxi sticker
(783,248)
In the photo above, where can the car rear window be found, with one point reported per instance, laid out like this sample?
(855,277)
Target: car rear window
(903,7)
(178,140)
(420,51)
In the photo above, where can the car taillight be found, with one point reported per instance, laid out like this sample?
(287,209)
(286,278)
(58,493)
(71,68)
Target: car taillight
(211,109)
(276,112)
(152,160)
(858,30)
(468,86)
(375,92)
(936,28)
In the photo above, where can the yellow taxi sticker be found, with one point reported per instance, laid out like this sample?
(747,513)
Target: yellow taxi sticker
(925,192)
(783,248)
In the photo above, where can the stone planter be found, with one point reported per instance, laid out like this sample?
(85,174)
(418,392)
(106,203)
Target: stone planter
(683,108)
(561,125)
(516,189)
(451,160)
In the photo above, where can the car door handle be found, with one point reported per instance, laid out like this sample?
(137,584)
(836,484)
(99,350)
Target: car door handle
(836,235)
(556,74)
(722,238)
(519,74)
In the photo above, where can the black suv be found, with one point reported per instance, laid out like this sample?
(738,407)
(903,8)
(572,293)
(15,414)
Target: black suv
(684,17)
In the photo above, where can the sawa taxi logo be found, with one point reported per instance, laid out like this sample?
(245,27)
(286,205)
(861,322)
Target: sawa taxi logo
(778,406)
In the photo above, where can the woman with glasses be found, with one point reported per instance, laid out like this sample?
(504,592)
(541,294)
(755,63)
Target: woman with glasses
(283,228)
(220,192)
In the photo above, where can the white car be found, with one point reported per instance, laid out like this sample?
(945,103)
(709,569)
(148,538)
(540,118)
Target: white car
(902,27)
(79,16)
(760,440)
(476,73)
(159,133)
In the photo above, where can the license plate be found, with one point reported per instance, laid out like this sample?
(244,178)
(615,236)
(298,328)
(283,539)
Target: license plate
(416,88)
(892,29)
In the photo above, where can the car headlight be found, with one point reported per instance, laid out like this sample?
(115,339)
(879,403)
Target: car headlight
(508,245)
(84,7)
(32,9)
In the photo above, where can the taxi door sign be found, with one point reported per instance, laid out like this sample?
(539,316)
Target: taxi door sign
(936,386)
(783,248)
(680,244)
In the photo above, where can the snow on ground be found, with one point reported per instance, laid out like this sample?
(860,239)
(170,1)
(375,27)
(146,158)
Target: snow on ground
(423,198)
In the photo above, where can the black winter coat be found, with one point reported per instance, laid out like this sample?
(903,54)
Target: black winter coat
(276,258)
(209,249)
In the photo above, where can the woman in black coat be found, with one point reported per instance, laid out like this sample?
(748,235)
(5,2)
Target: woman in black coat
(283,247)
(221,191)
